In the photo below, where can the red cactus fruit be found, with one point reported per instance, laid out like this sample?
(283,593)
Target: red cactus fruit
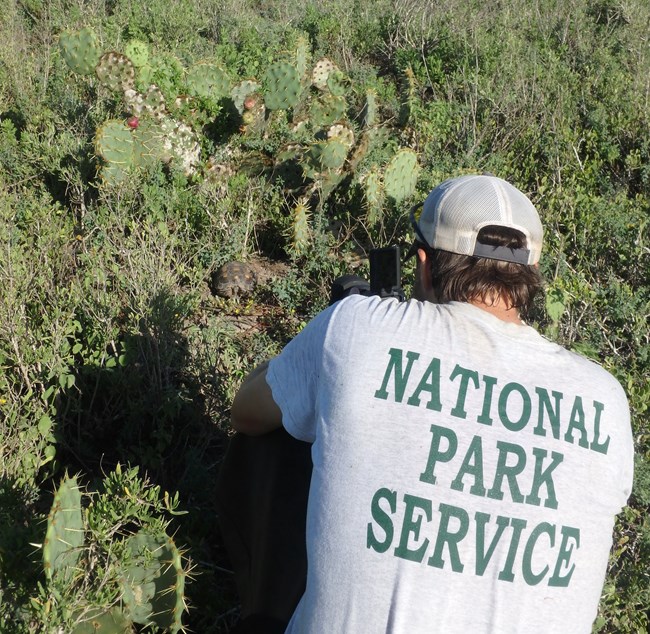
(133,122)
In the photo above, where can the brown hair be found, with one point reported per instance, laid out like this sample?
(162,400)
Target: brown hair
(466,278)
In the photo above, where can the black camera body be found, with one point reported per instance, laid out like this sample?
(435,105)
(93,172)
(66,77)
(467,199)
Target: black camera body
(385,277)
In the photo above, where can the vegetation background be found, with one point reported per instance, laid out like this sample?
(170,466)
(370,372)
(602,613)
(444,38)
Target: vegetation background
(117,360)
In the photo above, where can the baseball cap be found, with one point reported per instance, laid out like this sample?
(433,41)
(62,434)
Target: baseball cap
(456,210)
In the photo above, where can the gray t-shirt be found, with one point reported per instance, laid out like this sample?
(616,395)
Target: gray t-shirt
(467,471)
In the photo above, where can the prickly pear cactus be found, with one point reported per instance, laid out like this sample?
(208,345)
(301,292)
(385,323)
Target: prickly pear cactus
(287,168)
(137,52)
(370,109)
(208,81)
(321,73)
(124,149)
(65,533)
(114,144)
(80,50)
(282,86)
(342,133)
(100,622)
(180,145)
(151,102)
(401,175)
(374,195)
(337,83)
(302,55)
(116,71)
(327,110)
(242,91)
(153,581)
(154,102)
(148,140)
(327,156)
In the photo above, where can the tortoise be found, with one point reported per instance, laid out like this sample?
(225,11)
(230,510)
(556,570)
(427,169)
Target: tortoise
(234,279)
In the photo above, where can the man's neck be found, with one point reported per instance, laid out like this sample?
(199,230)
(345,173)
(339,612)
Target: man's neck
(501,311)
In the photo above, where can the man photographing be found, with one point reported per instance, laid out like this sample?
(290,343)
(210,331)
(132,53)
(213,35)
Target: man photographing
(466,471)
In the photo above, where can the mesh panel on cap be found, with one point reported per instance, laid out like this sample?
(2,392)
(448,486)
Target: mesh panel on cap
(470,205)
(455,211)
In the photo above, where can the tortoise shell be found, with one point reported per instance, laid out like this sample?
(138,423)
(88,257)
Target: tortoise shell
(234,279)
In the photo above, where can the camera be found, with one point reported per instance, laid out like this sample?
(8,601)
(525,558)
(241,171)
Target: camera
(385,277)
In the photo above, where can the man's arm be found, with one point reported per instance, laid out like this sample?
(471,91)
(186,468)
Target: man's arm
(254,411)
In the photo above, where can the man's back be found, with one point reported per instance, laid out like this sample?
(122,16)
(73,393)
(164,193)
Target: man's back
(466,471)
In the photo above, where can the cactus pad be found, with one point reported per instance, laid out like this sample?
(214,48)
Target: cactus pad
(147,144)
(327,155)
(114,143)
(97,622)
(282,82)
(134,102)
(341,133)
(65,533)
(302,55)
(137,52)
(370,109)
(241,91)
(401,175)
(374,194)
(124,149)
(321,73)
(337,83)
(154,102)
(180,145)
(207,81)
(327,110)
(153,581)
(80,50)
(116,71)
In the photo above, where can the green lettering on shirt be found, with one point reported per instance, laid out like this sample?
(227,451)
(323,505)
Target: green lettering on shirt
(544,477)
(394,369)
(485,418)
(509,423)
(430,382)
(595,445)
(465,376)
(577,423)
(530,577)
(412,525)
(473,466)
(508,472)
(383,520)
(564,557)
(446,536)
(437,453)
(553,413)
(482,556)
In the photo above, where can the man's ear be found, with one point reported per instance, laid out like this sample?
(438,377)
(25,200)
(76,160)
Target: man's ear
(424,270)
(422,289)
